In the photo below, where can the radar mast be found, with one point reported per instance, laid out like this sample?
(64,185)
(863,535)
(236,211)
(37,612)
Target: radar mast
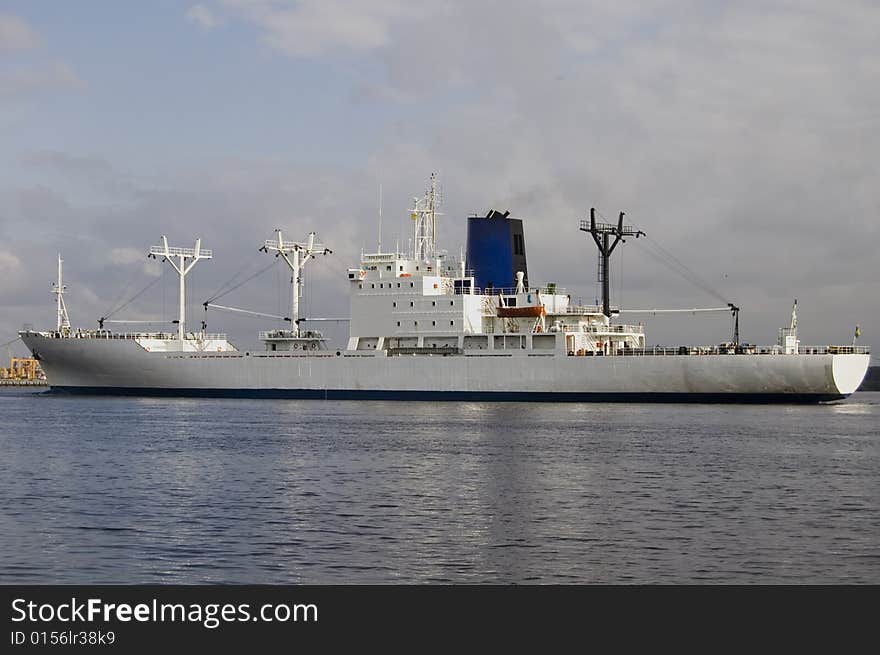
(424,215)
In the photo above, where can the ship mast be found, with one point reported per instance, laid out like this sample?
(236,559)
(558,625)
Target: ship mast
(297,255)
(182,268)
(58,288)
(424,215)
(602,233)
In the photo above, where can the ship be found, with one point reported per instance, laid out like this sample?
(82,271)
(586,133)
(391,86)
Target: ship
(428,326)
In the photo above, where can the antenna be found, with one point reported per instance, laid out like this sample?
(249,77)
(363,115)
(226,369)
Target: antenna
(58,288)
(296,255)
(182,268)
(602,233)
(379,249)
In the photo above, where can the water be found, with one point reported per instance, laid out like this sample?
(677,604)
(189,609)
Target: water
(121,490)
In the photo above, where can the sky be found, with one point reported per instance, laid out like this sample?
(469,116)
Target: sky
(741,137)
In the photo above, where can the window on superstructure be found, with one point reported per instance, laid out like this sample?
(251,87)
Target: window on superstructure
(434,323)
(398,323)
(394,304)
(401,269)
(387,268)
(451,303)
(411,284)
(415,322)
(452,322)
(411,303)
(372,286)
(360,286)
(398,285)
(433,303)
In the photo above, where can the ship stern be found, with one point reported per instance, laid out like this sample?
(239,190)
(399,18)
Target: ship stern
(848,371)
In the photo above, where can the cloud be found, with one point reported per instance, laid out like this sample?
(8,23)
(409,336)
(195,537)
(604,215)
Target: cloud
(203,17)
(740,136)
(16,34)
(310,28)
(96,172)
(10,264)
(54,76)
(22,75)
(127,255)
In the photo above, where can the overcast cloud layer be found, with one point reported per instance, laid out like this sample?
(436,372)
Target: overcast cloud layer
(743,137)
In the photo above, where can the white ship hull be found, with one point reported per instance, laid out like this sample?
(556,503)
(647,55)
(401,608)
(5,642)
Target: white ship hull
(121,366)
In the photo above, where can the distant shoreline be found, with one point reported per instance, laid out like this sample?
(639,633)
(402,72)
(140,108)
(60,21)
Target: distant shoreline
(872,380)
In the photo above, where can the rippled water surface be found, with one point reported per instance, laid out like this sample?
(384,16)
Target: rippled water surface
(124,490)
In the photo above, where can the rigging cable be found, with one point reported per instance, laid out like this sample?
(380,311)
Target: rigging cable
(9,343)
(221,291)
(669,260)
(121,294)
(138,295)
(217,296)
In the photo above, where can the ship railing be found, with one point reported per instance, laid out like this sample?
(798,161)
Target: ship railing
(587,309)
(186,252)
(833,350)
(107,334)
(511,291)
(377,256)
(729,349)
(614,329)
(269,335)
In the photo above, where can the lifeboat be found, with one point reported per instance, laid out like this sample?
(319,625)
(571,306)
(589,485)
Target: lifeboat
(530,311)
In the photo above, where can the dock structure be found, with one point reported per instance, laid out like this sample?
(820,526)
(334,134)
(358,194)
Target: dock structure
(22,369)
(24,383)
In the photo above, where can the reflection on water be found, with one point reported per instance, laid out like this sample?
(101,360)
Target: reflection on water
(858,404)
(155,490)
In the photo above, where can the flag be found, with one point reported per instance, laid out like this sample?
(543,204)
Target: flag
(858,333)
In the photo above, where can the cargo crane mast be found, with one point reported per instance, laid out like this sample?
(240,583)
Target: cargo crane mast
(296,255)
(182,268)
(602,233)
(58,288)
